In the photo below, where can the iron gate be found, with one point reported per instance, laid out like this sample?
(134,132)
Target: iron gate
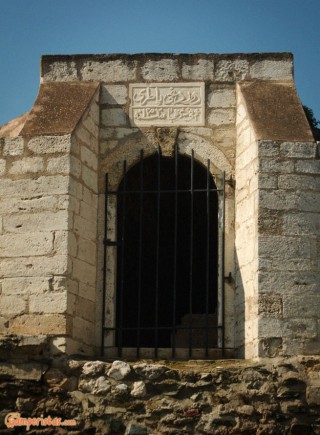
(167,280)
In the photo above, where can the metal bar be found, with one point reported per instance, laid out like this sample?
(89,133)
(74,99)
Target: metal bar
(207,261)
(175,251)
(140,255)
(104,285)
(191,253)
(112,192)
(222,265)
(157,253)
(123,223)
(150,328)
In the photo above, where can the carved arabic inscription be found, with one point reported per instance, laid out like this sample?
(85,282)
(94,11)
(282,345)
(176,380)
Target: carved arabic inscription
(167,104)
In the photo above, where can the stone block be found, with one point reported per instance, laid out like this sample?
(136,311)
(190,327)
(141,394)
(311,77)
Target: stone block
(272,70)
(218,117)
(89,177)
(87,251)
(202,70)
(308,166)
(89,158)
(298,150)
(270,305)
(268,149)
(270,347)
(162,70)
(37,324)
(38,222)
(283,247)
(83,330)
(2,167)
(91,125)
(109,71)
(85,309)
(87,292)
(50,144)
(34,266)
(313,395)
(59,165)
(25,245)
(44,185)
(303,306)
(85,228)
(25,286)
(278,199)
(309,201)
(114,117)
(65,242)
(278,166)
(88,212)
(299,182)
(84,272)
(61,71)
(229,71)
(222,98)
(300,328)
(12,305)
(27,165)
(114,94)
(48,303)
(13,146)
(270,327)
(302,224)
(75,166)
(270,222)
(267,181)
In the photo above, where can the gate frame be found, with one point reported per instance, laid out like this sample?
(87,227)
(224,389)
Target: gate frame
(107,243)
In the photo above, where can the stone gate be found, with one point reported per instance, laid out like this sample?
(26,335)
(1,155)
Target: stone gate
(240,116)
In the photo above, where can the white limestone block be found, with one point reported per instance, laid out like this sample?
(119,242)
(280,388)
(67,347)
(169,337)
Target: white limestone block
(114,94)
(272,70)
(27,165)
(109,71)
(13,146)
(202,70)
(222,98)
(160,70)
(50,144)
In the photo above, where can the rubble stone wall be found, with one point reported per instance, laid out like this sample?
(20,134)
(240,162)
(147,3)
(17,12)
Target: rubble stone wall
(204,397)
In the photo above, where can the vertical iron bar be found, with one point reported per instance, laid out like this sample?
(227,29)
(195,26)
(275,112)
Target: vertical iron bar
(207,260)
(191,254)
(104,285)
(175,250)
(123,223)
(157,255)
(140,255)
(222,265)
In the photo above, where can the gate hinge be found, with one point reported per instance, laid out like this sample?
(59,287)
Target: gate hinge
(229,278)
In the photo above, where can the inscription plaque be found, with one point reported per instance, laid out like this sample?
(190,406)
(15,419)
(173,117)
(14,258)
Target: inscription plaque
(167,104)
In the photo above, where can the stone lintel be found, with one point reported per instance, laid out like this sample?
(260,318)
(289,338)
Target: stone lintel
(58,108)
(275,111)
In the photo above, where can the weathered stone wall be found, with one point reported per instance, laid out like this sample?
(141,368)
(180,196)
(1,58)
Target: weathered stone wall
(221,397)
(289,240)
(48,206)
(34,235)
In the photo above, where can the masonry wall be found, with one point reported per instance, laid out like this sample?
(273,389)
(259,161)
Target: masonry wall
(34,237)
(246,229)
(289,231)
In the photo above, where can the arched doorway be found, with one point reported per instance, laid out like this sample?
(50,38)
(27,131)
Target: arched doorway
(167,255)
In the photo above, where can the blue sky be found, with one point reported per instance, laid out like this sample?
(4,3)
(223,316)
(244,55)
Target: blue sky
(30,28)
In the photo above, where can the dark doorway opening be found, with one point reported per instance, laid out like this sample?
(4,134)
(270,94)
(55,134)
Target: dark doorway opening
(167,238)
